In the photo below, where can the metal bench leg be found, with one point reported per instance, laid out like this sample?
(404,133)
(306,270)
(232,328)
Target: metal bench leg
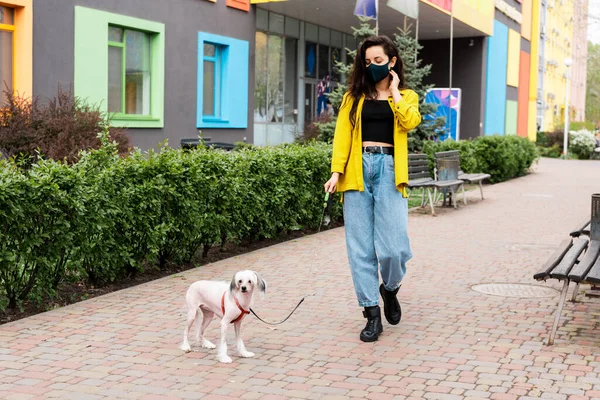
(561,304)
(575,291)
(464,197)
(430,201)
(481,189)
(453,196)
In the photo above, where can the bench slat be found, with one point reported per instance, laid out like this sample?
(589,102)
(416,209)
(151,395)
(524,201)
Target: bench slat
(448,154)
(554,259)
(594,275)
(579,272)
(418,175)
(473,177)
(448,183)
(422,182)
(418,168)
(581,228)
(561,271)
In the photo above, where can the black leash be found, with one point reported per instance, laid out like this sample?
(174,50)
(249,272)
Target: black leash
(280,322)
(326,208)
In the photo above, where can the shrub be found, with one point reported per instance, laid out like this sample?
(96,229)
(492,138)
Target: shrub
(503,157)
(106,217)
(582,143)
(58,129)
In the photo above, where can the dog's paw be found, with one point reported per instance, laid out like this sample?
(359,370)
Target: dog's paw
(208,345)
(185,347)
(224,359)
(246,354)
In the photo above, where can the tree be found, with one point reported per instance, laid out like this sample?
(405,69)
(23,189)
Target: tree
(414,73)
(327,129)
(363,31)
(592,98)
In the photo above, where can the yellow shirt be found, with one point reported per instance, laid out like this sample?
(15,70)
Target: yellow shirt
(347,142)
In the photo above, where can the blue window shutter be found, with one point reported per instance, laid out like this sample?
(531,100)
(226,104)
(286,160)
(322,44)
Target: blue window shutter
(234,70)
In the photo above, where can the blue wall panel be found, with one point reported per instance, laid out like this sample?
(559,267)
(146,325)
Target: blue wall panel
(234,82)
(495,94)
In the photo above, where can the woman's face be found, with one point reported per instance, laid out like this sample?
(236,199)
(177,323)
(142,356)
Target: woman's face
(376,55)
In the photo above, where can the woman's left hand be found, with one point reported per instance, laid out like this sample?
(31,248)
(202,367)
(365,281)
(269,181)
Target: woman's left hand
(395,81)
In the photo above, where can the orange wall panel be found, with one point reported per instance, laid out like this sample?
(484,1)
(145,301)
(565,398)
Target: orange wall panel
(239,4)
(523,116)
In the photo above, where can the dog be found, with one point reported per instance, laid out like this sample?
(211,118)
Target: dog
(229,301)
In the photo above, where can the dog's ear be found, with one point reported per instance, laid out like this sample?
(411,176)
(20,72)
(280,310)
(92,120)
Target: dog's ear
(233,284)
(262,284)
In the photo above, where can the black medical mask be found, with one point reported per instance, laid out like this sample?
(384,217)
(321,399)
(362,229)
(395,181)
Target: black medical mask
(378,73)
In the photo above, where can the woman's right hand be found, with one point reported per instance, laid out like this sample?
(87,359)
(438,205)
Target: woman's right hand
(331,184)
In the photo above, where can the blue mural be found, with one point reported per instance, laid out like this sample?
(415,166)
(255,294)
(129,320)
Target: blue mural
(448,103)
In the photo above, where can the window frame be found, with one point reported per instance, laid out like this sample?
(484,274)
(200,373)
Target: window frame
(218,86)
(12,29)
(233,72)
(91,63)
(123,46)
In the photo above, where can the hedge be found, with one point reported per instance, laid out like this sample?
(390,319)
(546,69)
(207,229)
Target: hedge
(503,157)
(106,217)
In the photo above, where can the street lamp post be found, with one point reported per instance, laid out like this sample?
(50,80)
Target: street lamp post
(568,63)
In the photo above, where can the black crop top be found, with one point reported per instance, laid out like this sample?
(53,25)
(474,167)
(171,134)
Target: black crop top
(377,122)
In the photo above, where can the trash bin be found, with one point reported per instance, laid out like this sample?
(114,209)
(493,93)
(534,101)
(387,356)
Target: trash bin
(195,142)
(448,169)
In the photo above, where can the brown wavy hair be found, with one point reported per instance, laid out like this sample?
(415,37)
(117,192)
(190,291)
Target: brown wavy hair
(359,83)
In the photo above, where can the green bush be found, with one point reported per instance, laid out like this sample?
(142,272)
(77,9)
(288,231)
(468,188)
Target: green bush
(582,143)
(503,157)
(106,217)
(577,126)
(58,128)
(553,152)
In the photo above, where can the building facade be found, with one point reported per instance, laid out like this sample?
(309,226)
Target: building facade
(556,33)
(580,54)
(161,69)
(259,73)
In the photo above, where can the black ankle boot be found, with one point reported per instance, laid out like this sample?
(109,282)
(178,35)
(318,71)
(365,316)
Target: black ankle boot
(374,326)
(391,306)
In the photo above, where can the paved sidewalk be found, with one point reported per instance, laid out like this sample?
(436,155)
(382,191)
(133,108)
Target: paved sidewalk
(452,343)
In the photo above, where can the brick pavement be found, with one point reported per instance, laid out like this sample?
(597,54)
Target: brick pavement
(452,343)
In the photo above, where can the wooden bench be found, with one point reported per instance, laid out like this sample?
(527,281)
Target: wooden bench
(577,259)
(469,178)
(419,176)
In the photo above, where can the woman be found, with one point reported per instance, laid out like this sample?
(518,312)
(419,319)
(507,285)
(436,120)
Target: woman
(370,165)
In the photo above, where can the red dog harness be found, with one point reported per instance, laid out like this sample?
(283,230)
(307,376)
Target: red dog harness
(244,312)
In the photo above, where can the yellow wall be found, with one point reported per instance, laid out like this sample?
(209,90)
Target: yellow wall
(23,52)
(477,13)
(533,77)
(558,42)
(514,56)
(526,7)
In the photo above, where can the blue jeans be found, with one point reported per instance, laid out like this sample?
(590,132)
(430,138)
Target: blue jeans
(376,223)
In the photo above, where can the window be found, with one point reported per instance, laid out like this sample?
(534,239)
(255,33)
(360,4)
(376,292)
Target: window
(120,65)
(275,80)
(222,82)
(7,33)
(128,71)
(212,81)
